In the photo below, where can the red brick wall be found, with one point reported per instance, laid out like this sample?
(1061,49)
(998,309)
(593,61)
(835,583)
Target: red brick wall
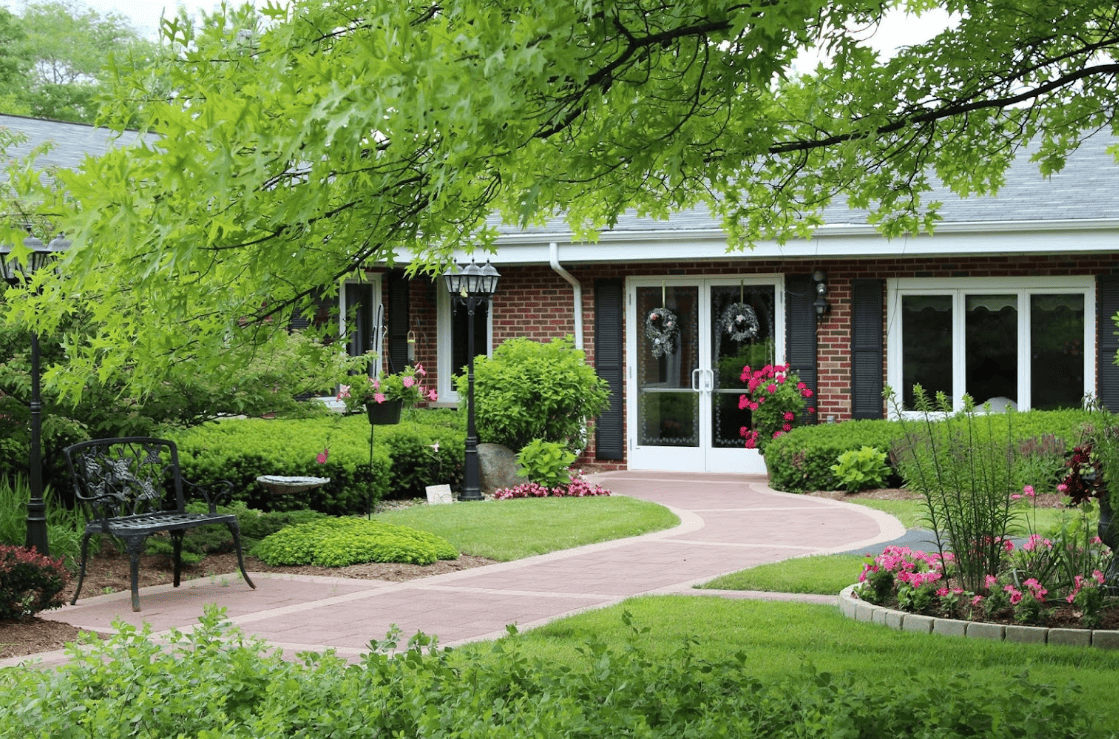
(536,302)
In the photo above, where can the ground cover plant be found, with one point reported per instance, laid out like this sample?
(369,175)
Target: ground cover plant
(337,542)
(653,667)
(514,529)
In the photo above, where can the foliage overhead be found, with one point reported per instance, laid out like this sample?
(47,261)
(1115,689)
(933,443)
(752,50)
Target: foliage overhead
(304,141)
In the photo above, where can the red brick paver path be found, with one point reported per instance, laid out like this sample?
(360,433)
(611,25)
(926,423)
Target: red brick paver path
(728,523)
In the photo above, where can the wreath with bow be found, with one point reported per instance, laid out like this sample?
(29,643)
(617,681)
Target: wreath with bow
(662,329)
(739,322)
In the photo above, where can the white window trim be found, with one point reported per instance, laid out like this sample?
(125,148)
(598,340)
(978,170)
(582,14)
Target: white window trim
(958,287)
(444,345)
(373,280)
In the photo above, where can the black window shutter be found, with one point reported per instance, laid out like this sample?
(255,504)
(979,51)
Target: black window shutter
(1107,372)
(866,349)
(609,364)
(800,328)
(397,319)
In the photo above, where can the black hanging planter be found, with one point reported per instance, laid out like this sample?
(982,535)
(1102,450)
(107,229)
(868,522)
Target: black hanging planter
(384,414)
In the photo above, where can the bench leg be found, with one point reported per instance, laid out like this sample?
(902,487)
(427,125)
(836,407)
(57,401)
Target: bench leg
(236,531)
(177,551)
(135,545)
(81,567)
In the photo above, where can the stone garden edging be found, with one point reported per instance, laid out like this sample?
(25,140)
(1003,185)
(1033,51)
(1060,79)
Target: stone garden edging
(859,610)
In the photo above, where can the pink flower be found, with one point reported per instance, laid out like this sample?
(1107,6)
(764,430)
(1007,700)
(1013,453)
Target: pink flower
(421,371)
(942,592)
(990,581)
(379,397)
(343,392)
(432,396)
(321,457)
(1062,488)
(977,600)
(771,388)
(375,383)
(789,415)
(1028,490)
(1008,545)
(408,381)
(801,386)
(1098,576)
(1015,497)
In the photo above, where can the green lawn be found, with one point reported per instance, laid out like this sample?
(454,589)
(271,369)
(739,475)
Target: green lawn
(780,639)
(912,514)
(512,529)
(821,574)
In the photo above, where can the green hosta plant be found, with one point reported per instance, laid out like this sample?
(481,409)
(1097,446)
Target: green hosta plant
(337,542)
(863,469)
(546,463)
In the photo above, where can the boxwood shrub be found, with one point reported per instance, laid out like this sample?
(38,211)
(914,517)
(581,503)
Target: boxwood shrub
(406,458)
(337,542)
(802,459)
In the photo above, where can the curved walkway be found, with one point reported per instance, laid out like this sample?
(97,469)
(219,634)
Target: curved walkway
(728,523)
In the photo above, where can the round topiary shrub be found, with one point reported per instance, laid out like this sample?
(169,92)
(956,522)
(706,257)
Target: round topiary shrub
(337,542)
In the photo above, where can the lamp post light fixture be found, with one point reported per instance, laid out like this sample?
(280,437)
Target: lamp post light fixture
(14,274)
(821,303)
(471,286)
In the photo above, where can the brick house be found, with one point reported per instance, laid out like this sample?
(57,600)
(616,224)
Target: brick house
(1010,301)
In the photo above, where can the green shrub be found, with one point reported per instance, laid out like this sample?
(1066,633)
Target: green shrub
(29,582)
(861,470)
(529,390)
(546,463)
(64,525)
(337,542)
(801,460)
(406,458)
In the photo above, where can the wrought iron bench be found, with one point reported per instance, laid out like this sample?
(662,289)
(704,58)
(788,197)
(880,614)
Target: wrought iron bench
(131,488)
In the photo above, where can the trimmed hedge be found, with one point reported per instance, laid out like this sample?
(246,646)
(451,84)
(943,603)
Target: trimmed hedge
(337,542)
(801,460)
(407,457)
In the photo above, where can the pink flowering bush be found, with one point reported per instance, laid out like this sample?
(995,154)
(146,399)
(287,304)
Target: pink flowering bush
(911,577)
(577,488)
(29,582)
(406,385)
(776,398)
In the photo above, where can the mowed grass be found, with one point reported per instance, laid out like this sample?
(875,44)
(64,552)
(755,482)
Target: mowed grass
(513,529)
(781,639)
(821,574)
(912,514)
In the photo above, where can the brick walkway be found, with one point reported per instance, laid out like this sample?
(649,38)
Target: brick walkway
(728,523)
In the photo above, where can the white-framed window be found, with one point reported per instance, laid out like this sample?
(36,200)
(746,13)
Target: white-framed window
(453,340)
(360,317)
(1021,342)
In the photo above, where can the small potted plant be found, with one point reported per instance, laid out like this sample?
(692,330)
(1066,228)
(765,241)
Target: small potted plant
(384,397)
(776,399)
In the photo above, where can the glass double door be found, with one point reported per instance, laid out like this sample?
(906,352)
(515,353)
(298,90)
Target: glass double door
(688,342)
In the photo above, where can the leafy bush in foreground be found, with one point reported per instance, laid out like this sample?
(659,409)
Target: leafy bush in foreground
(337,542)
(215,682)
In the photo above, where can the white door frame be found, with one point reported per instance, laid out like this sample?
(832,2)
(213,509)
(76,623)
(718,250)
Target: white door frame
(704,457)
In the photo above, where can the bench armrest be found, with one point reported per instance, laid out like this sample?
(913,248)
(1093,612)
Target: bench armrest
(212,495)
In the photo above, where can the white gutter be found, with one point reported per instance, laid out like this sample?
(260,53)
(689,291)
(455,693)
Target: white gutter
(553,258)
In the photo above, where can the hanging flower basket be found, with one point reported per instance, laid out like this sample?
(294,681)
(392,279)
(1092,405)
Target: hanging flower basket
(386,413)
(739,322)
(662,329)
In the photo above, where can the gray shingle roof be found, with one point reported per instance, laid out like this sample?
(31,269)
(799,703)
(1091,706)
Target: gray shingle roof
(72,141)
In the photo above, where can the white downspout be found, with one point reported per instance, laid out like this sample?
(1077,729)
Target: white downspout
(553,257)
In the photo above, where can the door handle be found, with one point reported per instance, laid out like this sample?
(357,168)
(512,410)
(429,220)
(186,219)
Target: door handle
(710,374)
(695,379)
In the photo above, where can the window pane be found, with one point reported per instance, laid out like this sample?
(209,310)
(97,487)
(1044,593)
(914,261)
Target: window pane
(991,349)
(1056,351)
(926,329)
(460,317)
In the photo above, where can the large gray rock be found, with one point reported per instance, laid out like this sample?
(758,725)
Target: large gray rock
(498,466)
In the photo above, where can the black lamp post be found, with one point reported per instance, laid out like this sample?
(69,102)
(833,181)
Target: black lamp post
(15,273)
(471,286)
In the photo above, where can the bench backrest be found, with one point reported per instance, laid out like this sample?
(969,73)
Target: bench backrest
(122,477)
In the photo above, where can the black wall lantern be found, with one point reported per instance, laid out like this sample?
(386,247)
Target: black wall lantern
(471,286)
(15,274)
(821,303)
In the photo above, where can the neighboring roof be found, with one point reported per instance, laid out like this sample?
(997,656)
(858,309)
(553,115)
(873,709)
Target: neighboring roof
(71,141)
